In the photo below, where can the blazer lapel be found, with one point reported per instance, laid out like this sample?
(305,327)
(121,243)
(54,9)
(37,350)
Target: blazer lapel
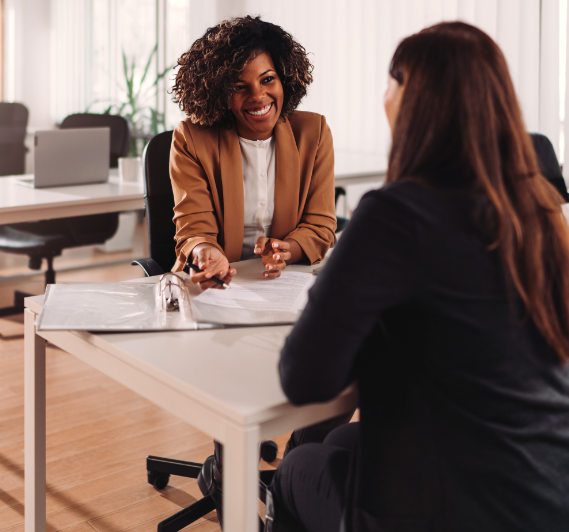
(231,166)
(287,181)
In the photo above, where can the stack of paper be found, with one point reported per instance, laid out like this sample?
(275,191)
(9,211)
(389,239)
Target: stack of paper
(254,301)
(135,306)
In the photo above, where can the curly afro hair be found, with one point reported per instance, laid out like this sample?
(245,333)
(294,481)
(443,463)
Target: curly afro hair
(209,69)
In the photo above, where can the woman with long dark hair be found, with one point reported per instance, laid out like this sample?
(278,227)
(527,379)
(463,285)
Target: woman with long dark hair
(447,302)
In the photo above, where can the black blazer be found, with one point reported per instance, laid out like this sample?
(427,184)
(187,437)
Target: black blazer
(464,408)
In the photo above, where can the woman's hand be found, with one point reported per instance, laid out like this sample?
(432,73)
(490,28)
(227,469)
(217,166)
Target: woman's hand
(274,254)
(213,263)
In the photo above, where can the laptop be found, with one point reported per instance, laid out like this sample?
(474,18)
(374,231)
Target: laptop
(64,157)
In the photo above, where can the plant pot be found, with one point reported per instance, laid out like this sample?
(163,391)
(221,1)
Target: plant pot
(130,168)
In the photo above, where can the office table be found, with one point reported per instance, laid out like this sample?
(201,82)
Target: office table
(352,168)
(20,203)
(223,382)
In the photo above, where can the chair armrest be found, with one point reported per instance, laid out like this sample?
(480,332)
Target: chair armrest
(338,191)
(341,223)
(149,266)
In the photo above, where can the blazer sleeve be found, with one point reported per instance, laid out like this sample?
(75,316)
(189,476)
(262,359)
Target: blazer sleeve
(194,214)
(374,267)
(316,232)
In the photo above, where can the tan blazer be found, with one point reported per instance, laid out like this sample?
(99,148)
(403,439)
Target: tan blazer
(207,180)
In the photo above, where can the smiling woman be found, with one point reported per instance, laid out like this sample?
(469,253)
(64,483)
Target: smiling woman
(250,174)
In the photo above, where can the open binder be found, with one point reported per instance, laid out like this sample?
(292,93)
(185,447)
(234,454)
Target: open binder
(172,302)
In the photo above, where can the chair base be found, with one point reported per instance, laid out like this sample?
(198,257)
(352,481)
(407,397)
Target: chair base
(159,470)
(187,515)
(18,306)
(170,466)
(49,278)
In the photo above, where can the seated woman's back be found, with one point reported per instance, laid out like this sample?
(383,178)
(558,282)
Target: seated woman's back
(457,387)
(447,302)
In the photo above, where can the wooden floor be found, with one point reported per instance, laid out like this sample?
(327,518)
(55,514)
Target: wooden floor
(98,435)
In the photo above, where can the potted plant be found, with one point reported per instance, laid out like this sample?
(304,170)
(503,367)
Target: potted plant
(138,107)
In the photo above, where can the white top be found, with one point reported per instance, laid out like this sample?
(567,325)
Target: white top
(259,190)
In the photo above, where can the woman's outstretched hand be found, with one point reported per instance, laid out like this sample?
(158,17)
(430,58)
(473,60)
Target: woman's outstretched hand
(212,262)
(274,254)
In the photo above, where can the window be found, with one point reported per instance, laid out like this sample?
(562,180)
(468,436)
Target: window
(94,41)
(350,47)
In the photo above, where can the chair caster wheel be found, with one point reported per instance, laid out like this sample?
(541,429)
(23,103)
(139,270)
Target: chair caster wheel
(158,480)
(269,451)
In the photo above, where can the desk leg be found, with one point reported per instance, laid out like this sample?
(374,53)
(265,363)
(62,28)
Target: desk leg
(240,479)
(34,426)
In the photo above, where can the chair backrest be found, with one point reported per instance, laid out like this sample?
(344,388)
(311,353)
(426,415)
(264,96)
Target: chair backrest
(13,126)
(120,135)
(159,200)
(548,163)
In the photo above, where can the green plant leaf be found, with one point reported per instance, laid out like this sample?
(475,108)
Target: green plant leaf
(147,66)
(125,69)
(161,75)
(130,85)
(137,103)
(150,91)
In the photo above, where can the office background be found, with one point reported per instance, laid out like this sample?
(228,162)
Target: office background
(65,56)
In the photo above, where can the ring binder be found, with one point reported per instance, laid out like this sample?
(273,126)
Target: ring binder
(172,302)
(172,289)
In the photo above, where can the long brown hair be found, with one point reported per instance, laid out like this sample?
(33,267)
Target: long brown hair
(459,112)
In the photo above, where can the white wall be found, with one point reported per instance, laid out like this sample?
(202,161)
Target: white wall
(27,66)
(350,42)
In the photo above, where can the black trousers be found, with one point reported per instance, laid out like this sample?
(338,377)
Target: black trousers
(316,433)
(309,487)
(312,434)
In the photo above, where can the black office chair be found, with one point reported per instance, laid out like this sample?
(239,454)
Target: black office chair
(13,126)
(161,230)
(548,163)
(159,200)
(47,239)
(341,221)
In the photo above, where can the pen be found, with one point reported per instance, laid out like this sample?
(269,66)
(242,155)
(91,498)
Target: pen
(215,279)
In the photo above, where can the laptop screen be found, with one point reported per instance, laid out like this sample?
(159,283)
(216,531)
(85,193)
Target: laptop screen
(71,156)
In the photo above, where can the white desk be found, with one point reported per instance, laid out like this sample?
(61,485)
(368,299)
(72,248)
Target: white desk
(223,382)
(20,203)
(353,168)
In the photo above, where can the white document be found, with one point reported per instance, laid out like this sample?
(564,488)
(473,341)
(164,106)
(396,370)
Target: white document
(252,300)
